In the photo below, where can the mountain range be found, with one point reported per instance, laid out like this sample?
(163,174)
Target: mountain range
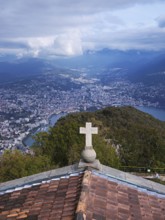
(140,66)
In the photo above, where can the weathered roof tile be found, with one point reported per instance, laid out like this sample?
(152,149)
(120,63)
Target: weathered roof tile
(93,195)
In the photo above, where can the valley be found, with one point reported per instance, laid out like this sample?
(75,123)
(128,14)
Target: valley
(28,104)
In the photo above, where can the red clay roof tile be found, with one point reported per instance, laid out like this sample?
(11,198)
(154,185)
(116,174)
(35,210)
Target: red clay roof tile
(109,199)
(44,201)
(89,194)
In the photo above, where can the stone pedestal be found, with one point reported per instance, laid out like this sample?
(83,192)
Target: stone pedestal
(88,155)
(95,164)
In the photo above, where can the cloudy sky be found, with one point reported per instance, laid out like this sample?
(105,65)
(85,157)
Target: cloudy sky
(48,28)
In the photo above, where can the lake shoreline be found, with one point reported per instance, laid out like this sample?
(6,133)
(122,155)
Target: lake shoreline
(158,113)
(53,118)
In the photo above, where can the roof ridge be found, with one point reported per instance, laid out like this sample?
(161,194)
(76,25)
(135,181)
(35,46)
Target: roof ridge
(39,177)
(82,203)
(132,179)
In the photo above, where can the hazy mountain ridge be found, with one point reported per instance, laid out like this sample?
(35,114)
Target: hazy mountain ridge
(20,69)
(137,63)
(150,73)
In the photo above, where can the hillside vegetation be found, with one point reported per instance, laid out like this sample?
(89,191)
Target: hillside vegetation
(127,137)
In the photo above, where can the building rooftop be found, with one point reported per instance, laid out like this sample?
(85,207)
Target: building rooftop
(84,191)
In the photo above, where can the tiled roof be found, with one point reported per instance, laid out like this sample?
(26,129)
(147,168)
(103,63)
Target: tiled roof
(70,193)
(52,199)
(113,199)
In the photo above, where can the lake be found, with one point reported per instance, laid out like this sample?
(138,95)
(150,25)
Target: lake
(28,141)
(155,112)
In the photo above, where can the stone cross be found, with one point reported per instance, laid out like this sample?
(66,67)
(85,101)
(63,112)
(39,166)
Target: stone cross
(88,131)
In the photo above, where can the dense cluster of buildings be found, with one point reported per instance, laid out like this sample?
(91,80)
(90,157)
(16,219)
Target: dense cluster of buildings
(29,104)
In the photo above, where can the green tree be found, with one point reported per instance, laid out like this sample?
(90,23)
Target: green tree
(14,164)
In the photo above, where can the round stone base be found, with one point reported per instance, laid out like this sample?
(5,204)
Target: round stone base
(89,155)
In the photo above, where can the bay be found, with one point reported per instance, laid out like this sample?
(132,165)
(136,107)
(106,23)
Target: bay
(54,118)
(28,141)
(155,112)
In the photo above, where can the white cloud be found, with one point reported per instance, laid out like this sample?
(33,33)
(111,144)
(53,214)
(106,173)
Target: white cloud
(58,27)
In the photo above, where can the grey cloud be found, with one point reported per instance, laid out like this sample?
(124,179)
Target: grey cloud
(35,18)
(67,27)
(161,21)
(11,44)
(150,39)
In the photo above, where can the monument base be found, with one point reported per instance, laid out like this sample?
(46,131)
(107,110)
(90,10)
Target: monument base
(96,164)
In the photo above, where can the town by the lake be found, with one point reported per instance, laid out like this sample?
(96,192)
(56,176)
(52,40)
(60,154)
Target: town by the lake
(27,105)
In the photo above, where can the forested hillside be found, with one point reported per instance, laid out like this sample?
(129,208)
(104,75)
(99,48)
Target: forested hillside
(127,137)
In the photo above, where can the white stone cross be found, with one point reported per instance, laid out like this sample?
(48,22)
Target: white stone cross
(88,131)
